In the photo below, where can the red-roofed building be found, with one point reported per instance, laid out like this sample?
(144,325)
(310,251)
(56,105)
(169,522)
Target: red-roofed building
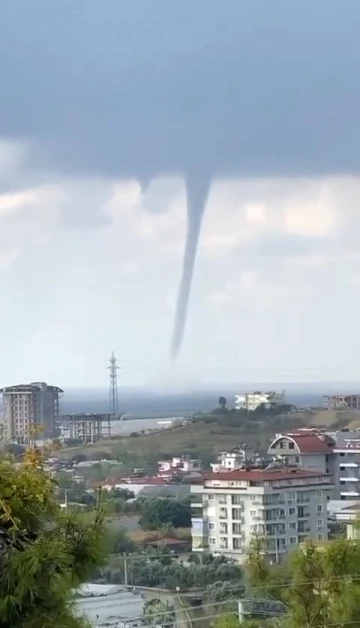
(287,506)
(307,449)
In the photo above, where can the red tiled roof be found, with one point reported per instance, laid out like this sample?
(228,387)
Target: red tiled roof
(309,443)
(262,475)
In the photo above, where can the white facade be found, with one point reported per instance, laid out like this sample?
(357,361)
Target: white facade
(252,401)
(347,451)
(230,460)
(180,463)
(286,507)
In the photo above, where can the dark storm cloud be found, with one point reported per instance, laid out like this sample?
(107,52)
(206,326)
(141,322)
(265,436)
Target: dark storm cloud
(134,87)
(139,88)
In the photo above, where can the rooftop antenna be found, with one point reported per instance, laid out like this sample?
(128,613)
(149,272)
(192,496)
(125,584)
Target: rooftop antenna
(113,390)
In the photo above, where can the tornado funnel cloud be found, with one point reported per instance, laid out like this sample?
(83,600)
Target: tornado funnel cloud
(197,192)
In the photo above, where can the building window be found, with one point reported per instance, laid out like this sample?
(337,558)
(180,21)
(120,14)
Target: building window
(212,540)
(292,525)
(320,537)
(291,446)
(319,523)
(292,511)
(211,526)
(342,454)
(293,540)
(319,508)
(318,493)
(252,513)
(211,496)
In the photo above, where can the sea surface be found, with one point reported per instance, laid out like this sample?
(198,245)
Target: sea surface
(139,403)
(148,410)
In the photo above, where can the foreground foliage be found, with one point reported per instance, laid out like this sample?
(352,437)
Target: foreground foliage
(317,586)
(44,553)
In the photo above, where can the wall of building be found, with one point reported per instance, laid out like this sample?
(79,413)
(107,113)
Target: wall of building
(225,520)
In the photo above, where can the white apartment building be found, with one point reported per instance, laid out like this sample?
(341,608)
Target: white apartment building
(252,400)
(26,408)
(285,506)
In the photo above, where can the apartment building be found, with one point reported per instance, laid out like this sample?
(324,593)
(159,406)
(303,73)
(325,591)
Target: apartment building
(250,401)
(28,408)
(337,453)
(347,452)
(285,506)
(306,448)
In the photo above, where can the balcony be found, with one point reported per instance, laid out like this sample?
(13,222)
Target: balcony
(223,514)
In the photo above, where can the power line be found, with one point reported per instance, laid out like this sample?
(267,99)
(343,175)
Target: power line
(137,555)
(229,612)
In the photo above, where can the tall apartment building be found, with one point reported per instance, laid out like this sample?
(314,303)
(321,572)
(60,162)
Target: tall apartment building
(252,400)
(284,506)
(27,407)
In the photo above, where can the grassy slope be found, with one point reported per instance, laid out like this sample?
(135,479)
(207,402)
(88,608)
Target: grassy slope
(199,436)
(208,437)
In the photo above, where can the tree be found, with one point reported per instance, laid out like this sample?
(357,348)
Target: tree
(121,543)
(45,554)
(157,612)
(316,586)
(154,513)
(222,403)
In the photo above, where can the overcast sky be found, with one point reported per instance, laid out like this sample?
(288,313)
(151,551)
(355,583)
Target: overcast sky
(105,107)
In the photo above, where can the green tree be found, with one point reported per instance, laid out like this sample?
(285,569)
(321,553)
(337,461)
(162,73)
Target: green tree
(155,513)
(44,553)
(159,612)
(121,543)
(317,586)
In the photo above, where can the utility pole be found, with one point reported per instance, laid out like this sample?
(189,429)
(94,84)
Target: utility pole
(125,571)
(113,391)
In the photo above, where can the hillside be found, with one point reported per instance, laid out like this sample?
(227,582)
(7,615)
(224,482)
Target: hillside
(207,436)
(203,438)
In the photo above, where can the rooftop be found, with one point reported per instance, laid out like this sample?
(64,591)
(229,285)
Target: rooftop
(265,475)
(308,442)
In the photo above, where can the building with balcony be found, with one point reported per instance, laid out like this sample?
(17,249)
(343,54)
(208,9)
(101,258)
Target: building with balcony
(284,506)
(30,411)
(250,401)
(347,452)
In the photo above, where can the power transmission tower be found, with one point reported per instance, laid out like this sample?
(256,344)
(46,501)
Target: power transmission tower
(113,391)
